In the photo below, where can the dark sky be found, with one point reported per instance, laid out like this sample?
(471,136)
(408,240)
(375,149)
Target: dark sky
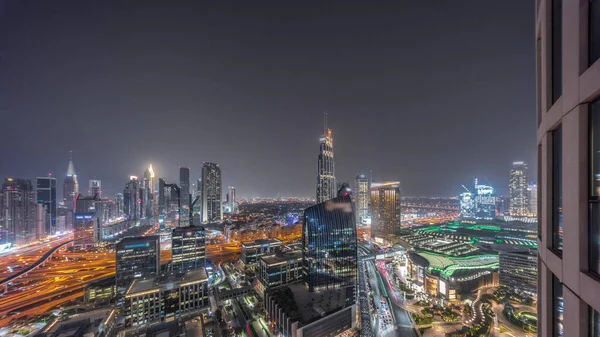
(431,93)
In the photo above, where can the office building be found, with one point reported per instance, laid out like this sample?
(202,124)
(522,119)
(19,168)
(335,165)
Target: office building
(17,212)
(95,188)
(188,248)
(232,200)
(532,193)
(184,196)
(279,269)
(42,219)
(119,204)
(212,205)
(326,186)
(168,297)
(297,312)
(329,246)
(149,184)
(46,194)
(518,269)
(162,200)
(101,291)
(136,258)
(70,186)
(86,204)
(485,202)
(467,205)
(568,138)
(385,209)
(361,197)
(253,250)
(130,199)
(519,198)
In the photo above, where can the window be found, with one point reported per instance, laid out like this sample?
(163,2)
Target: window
(594,323)
(557,219)
(556,50)
(594,30)
(539,192)
(557,307)
(594,217)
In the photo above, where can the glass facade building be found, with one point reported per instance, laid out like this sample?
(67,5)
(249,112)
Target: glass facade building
(212,204)
(385,208)
(136,258)
(46,194)
(326,186)
(188,247)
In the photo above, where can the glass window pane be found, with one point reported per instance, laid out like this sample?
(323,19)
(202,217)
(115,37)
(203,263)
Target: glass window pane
(557,219)
(556,50)
(594,323)
(558,306)
(594,33)
(594,221)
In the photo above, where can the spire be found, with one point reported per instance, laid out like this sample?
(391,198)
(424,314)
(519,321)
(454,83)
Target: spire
(325,122)
(71,167)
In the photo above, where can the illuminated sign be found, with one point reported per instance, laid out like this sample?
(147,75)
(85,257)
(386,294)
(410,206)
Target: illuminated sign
(442,287)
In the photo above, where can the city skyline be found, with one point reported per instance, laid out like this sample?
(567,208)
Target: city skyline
(190,95)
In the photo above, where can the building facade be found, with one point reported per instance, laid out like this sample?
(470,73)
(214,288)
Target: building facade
(232,200)
(329,246)
(361,197)
(568,138)
(518,270)
(17,212)
(253,250)
(188,248)
(212,205)
(184,196)
(136,258)
(70,186)
(518,183)
(130,199)
(326,186)
(385,208)
(46,194)
(95,187)
(279,269)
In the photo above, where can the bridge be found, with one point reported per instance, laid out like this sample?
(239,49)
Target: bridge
(40,262)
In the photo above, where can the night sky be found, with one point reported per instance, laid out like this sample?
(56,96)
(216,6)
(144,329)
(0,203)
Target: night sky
(431,93)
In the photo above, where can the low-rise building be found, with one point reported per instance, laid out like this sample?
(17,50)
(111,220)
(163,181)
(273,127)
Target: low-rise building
(167,297)
(253,250)
(279,269)
(101,291)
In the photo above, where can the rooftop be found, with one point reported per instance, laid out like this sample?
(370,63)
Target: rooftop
(448,265)
(261,242)
(282,257)
(169,280)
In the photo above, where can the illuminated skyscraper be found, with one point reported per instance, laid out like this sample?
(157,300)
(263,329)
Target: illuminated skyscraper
(162,200)
(329,246)
(326,186)
(361,197)
(46,194)
(467,205)
(136,258)
(70,186)
(184,196)
(188,248)
(232,201)
(131,199)
(95,188)
(17,211)
(533,199)
(149,191)
(485,201)
(212,205)
(385,208)
(519,198)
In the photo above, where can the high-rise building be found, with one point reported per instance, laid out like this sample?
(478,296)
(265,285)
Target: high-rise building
(485,201)
(136,258)
(95,187)
(17,211)
(326,186)
(188,247)
(119,204)
(532,193)
(385,208)
(568,139)
(184,196)
(467,205)
(212,206)
(232,201)
(162,200)
(329,245)
(150,189)
(42,219)
(46,194)
(197,211)
(361,197)
(130,199)
(519,201)
(70,186)
(518,270)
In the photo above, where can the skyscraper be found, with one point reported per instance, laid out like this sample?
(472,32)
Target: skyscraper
(162,200)
(130,199)
(326,186)
(95,188)
(188,248)
(533,199)
(149,191)
(485,201)
(212,206)
(136,258)
(329,246)
(385,208)
(361,197)
(519,198)
(70,185)
(46,194)
(17,211)
(232,201)
(568,139)
(184,196)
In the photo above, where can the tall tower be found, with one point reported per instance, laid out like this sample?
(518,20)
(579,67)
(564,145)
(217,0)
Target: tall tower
(184,196)
(326,186)
(70,185)
(212,206)
(232,202)
(46,194)
(519,198)
(95,187)
(361,197)
(130,199)
(385,208)
(17,211)
(149,197)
